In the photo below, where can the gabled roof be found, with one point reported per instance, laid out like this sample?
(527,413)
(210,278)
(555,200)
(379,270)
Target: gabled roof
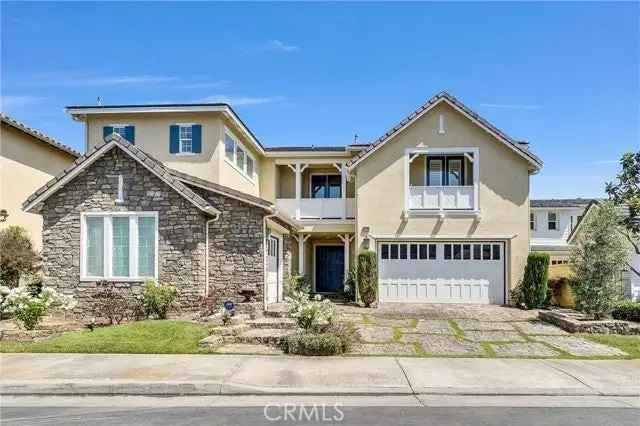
(221,189)
(38,135)
(561,202)
(520,147)
(78,112)
(111,142)
(623,211)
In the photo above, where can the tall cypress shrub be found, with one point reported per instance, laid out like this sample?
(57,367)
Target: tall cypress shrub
(534,283)
(367,273)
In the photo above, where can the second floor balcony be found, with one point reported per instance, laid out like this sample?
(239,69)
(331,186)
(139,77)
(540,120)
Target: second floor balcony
(315,190)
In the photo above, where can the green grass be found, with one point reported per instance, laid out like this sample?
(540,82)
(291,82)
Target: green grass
(143,337)
(629,344)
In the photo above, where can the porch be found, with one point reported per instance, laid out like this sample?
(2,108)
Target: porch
(314,190)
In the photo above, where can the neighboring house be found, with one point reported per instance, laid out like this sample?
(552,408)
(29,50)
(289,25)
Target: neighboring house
(631,275)
(550,223)
(28,159)
(187,194)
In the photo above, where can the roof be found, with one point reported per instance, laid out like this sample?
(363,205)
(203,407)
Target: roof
(561,202)
(307,149)
(623,211)
(519,148)
(221,189)
(77,110)
(38,135)
(112,141)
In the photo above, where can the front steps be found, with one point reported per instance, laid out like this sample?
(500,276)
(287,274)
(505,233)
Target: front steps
(259,335)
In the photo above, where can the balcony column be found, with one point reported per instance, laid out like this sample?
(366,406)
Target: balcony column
(342,168)
(301,240)
(298,169)
(346,239)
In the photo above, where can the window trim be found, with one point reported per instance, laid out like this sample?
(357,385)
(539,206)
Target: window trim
(108,246)
(556,221)
(180,151)
(247,154)
(327,174)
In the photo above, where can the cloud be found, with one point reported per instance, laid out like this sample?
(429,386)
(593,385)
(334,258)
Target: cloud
(203,85)
(240,100)
(279,46)
(9,101)
(512,106)
(67,79)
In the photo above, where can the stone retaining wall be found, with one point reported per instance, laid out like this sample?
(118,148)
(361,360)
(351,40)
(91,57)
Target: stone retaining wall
(573,322)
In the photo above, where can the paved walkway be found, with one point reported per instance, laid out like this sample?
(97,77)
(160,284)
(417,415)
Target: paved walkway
(234,375)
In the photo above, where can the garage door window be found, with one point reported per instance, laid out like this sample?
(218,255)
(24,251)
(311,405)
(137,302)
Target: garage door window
(408,251)
(476,252)
(465,251)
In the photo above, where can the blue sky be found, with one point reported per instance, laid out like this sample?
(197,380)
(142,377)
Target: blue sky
(564,76)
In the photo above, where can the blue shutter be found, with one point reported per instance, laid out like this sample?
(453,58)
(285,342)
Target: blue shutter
(106,131)
(174,144)
(196,138)
(130,134)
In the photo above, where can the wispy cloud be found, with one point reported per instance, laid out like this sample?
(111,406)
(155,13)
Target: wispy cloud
(241,100)
(279,46)
(203,85)
(512,106)
(82,80)
(11,101)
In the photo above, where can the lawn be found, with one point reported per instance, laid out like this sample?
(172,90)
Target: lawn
(143,337)
(629,344)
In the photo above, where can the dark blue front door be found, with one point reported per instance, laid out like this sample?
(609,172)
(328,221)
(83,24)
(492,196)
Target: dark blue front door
(329,269)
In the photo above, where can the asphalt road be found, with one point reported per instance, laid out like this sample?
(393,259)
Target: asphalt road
(347,415)
(369,411)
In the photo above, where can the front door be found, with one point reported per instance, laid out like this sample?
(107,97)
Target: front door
(329,269)
(273,268)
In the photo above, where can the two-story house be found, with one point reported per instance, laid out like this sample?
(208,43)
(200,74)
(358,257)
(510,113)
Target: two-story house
(187,194)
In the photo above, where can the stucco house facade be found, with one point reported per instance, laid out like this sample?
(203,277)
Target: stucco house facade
(186,193)
(28,159)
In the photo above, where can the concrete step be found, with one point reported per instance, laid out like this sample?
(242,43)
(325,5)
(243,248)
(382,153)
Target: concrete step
(211,342)
(272,322)
(277,310)
(264,336)
(229,330)
(249,348)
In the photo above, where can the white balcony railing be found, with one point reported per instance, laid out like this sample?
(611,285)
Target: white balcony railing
(441,197)
(318,208)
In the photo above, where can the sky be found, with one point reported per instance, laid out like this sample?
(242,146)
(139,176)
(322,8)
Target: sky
(564,76)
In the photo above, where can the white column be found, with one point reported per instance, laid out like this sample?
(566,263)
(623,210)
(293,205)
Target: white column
(346,239)
(343,190)
(298,189)
(301,240)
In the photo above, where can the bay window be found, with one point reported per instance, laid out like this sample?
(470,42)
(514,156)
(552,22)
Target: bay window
(119,246)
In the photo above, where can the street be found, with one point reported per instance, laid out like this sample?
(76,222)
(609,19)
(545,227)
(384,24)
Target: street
(355,410)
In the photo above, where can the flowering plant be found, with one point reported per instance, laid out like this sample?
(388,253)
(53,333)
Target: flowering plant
(310,314)
(28,308)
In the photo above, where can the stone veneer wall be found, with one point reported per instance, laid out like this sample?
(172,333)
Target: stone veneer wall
(181,228)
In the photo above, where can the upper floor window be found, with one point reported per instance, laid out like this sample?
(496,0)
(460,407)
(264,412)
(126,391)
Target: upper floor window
(185,139)
(238,156)
(552,219)
(125,130)
(445,171)
(326,186)
(532,221)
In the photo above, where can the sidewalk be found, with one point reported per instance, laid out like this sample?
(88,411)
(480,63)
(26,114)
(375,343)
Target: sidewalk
(113,374)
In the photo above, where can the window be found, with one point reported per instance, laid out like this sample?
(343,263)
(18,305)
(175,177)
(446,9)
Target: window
(119,246)
(552,219)
(457,251)
(495,248)
(486,252)
(186,139)
(434,177)
(432,251)
(447,251)
(326,186)
(126,131)
(424,254)
(385,251)
(238,156)
(394,251)
(120,129)
(532,221)
(466,251)
(454,171)
(413,251)
(403,251)
(477,252)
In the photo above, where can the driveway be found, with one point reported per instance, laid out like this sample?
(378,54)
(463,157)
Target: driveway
(465,330)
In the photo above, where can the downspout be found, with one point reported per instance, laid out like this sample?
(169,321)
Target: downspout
(206,254)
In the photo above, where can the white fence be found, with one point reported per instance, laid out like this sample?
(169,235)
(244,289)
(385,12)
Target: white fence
(441,197)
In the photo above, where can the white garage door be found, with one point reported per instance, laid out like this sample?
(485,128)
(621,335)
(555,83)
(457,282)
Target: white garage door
(443,272)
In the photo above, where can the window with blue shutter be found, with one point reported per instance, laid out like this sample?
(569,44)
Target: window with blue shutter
(106,131)
(196,141)
(174,142)
(130,134)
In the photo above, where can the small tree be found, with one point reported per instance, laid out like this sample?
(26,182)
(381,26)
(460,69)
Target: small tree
(17,256)
(367,275)
(533,290)
(597,257)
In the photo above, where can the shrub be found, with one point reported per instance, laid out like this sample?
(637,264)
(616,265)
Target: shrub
(17,256)
(627,310)
(597,257)
(35,283)
(310,314)
(159,298)
(534,283)
(29,309)
(111,304)
(334,341)
(349,287)
(367,274)
(294,284)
